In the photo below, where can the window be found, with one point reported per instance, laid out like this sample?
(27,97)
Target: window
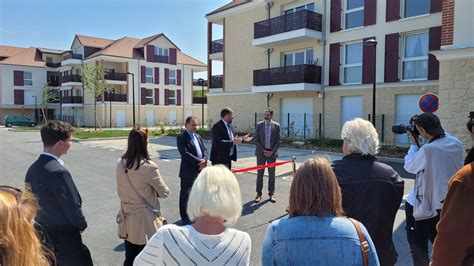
(27,79)
(149,75)
(299,57)
(149,96)
(415,56)
(412,8)
(352,64)
(172,97)
(309,7)
(353,13)
(172,77)
(161,51)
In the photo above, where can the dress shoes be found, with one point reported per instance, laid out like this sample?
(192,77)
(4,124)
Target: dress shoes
(272,199)
(258,198)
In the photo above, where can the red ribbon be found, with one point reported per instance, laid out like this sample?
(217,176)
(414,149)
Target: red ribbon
(258,167)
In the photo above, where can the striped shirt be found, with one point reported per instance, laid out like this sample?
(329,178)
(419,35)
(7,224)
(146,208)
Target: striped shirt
(183,245)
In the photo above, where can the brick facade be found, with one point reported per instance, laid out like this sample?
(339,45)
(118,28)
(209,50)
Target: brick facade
(447,32)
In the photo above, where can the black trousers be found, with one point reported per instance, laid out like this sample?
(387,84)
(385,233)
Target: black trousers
(186,184)
(227,164)
(67,246)
(131,251)
(418,235)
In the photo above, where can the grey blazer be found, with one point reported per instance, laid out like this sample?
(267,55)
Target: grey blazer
(259,138)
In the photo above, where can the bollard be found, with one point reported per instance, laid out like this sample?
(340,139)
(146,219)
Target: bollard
(293,164)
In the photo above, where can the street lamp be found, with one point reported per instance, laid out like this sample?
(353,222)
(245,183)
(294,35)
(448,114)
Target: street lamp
(111,94)
(36,108)
(133,96)
(373,42)
(201,81)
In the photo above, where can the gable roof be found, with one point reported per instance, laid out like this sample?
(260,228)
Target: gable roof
(123,47)
(7,51)
(93,41)
(230,5)
(147,40)
(185,59)
(27,57)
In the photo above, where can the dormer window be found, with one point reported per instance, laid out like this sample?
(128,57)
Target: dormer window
(161,51)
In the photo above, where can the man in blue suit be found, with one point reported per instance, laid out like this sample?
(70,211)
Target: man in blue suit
(60,219)
(193,160)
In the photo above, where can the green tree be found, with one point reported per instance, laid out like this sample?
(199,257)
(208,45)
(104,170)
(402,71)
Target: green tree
(94,82)
(48,95)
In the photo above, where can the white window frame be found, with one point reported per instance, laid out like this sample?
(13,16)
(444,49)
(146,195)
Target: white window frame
(418,58)
(348,11)
(293,9)
(172,99)
(293,52)
(149,98)
(402,10)
(27,82)
(172,79)
(161,51)
(152,76)
(344,65)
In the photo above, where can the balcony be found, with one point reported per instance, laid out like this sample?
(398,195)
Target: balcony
(53,65)
(72,99)
(199,100)
(289,78)
(72,56)
(196,83)
(217,82)
(291,28)
(217,50)
(54,83)
(70,80)
(115,78)
(113,97)
(71,59)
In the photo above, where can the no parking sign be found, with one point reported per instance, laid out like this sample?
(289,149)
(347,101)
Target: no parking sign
(429,103)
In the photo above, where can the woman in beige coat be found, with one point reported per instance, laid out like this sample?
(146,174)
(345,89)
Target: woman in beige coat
(139,185)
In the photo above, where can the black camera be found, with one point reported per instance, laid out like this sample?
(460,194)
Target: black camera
(410,128)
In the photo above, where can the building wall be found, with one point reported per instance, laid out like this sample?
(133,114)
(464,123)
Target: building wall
(463,34)
(7,87)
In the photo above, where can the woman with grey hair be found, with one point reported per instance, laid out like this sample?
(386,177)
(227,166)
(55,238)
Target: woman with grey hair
(371,191)
(214,204)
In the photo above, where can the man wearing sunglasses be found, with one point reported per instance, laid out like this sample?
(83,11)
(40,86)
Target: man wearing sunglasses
(60,217)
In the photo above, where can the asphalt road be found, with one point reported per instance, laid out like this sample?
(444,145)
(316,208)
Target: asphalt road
(93,169)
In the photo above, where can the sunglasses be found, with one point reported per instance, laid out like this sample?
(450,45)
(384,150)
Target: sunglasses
(13,190)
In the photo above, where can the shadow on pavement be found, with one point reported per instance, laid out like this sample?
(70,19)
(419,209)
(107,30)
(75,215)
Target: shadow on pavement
(250,207)
(120,247)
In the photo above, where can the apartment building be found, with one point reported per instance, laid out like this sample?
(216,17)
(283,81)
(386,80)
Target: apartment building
(152,72)
(314,61)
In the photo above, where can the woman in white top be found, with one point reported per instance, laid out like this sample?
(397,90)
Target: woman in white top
(214,204)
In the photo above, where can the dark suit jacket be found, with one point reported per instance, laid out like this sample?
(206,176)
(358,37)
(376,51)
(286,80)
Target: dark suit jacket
(259,138)
(59,200)
(221,144)
(189,167)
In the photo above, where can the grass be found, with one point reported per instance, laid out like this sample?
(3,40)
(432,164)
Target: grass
(26,128)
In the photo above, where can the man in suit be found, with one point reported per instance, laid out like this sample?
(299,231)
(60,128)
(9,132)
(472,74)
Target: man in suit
(267,141)
(60,219)
(224,140)
(193,160)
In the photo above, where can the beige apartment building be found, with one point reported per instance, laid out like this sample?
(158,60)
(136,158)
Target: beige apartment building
(154,68)
(314,61)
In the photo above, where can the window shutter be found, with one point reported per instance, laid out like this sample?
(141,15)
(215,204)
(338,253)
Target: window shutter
(335,15)
(167,97)
(143,74)
(178,97)
(391,57)
(393,10)
(157,75)
(178,77)
(172,56)
(436,6)
(18,78)
(368,62)
(334,63)
(150,53)
(19,97)
(167,76)
(370,12)
(157,96)
(434,44)
(143,96)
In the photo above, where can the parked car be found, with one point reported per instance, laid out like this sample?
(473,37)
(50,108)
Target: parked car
(19,120)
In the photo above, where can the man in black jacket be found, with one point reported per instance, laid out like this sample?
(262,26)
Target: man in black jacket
(371,191)
(60,218)
(193,160)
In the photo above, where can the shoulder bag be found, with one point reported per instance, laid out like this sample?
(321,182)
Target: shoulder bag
(364,245)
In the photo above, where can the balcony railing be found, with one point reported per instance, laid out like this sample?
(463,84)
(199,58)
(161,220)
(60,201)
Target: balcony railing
(114,97)
(287,75)
(162,59)
(115,76)
(54,65)
(72,99)
(54,83)
(196,83)
(299,20)
(217,81)
(72,56)
(199,100)
(71,78)
(217,46)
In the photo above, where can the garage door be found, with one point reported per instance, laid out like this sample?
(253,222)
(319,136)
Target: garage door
(405,107)
(121,118)
(150,118)
(296,108)
(351,107)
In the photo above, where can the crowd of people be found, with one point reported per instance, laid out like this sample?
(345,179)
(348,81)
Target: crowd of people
(339,213)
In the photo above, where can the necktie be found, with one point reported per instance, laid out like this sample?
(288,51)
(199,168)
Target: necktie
(231,138)
(268,133)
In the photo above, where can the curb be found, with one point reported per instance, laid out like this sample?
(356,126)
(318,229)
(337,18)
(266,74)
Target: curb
(92,139)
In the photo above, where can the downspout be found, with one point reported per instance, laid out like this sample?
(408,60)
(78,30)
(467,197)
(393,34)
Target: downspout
(268,6)
(183,88)
(322,94)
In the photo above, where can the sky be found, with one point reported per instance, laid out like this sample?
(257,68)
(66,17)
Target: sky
(53,23)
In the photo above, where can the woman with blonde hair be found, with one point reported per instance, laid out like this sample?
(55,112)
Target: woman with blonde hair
(19,241)
(214,204)
(316,232)
(139,184)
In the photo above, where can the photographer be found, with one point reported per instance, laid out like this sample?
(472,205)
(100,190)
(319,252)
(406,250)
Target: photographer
(434,164)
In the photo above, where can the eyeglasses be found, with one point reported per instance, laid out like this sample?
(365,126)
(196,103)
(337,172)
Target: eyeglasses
(13,190)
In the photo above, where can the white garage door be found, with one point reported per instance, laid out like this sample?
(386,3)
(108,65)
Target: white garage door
(172,118)
(150,118)
(405,107)
(351,107)
(121,118)
(297,108)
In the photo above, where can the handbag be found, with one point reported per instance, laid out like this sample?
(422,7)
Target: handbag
(121,222)
(364,245)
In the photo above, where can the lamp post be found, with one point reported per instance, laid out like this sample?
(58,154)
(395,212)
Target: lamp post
(373,42)
(110,94)
(36,108)
(201,81)
(133,96)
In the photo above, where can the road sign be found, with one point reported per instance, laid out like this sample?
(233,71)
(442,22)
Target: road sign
(429,103)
